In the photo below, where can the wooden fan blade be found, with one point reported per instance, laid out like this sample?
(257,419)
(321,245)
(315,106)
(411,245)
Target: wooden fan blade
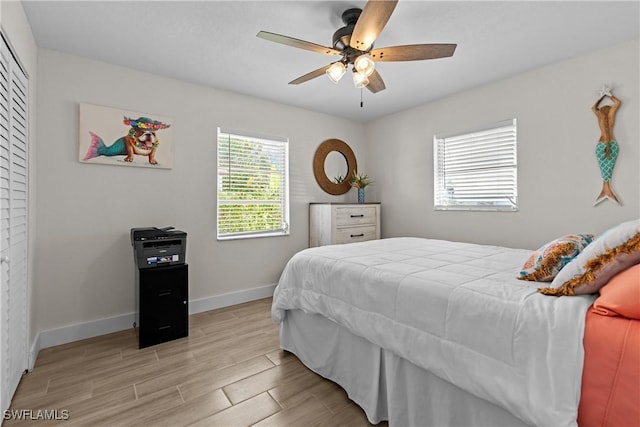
(301,44)
(312,75)
(372,20)
(413,52)
(376,84)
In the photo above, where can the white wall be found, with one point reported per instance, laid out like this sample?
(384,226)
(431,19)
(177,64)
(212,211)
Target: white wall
(84,260)
(16,27)
(558,176)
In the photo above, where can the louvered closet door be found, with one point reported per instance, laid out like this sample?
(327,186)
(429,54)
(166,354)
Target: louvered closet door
(13,224)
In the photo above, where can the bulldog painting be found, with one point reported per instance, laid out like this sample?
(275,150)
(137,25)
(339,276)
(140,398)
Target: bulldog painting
(140,146)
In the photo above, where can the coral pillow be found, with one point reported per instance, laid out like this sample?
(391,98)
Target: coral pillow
(612,252)
(546,262)
(621,296)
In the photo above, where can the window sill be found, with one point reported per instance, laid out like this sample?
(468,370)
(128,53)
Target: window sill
(477,208)
(253,235)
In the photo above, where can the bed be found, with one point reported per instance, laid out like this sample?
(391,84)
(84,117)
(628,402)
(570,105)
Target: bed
(426,332)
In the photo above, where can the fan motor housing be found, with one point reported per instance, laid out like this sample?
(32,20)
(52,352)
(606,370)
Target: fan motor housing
(342,37)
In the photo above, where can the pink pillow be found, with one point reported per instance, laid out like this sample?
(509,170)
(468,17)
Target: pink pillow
(621,296)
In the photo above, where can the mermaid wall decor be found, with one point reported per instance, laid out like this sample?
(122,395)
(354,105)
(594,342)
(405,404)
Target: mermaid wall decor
(117,137)
(607,147)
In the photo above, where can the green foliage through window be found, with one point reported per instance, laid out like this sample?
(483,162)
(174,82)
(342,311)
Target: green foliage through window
(252,186)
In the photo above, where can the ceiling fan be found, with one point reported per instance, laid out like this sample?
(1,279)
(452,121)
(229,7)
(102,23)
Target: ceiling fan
(354,42)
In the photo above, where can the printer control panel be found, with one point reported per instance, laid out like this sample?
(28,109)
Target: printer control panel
(153,247)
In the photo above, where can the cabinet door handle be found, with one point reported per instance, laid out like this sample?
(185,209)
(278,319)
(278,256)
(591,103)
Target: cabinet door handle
(357,216)
(164,293)
(358,235)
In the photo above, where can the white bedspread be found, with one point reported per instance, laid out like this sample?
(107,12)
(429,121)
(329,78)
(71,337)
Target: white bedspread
(455,309)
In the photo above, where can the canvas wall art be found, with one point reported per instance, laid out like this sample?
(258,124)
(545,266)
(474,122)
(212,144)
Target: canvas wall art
(114,136)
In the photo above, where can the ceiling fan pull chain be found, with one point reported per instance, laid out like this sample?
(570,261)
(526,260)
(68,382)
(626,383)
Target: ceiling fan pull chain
(361,104)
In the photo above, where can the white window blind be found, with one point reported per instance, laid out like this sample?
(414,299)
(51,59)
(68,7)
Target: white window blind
(477,170)
(253,185)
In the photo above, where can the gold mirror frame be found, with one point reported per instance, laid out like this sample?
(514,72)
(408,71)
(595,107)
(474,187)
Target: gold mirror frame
(318,166)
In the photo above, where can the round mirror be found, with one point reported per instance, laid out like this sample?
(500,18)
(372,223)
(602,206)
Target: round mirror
(335,167)
(323,168)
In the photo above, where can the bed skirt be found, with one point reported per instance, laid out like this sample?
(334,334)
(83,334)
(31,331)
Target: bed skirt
(384,385)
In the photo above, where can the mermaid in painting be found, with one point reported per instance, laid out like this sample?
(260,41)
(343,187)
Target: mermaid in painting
(607,147)
(140,140)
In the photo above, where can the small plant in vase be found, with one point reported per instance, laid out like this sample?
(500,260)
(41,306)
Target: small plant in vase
(360,181)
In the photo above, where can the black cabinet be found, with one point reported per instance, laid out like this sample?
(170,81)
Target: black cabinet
(162,304)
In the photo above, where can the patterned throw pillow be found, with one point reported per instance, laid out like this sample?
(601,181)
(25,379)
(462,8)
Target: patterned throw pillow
(613,251)
(545,263)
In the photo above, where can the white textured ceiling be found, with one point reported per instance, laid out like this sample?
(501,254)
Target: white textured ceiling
(214,43)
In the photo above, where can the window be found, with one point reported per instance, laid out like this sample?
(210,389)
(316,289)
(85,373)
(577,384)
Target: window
(477,170)
(253,185)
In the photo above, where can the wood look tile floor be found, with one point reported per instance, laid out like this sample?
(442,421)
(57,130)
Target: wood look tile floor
(228,372)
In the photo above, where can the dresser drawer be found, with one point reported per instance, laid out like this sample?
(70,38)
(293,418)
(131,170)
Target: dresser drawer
(355,215)
(355,234)
(337,223)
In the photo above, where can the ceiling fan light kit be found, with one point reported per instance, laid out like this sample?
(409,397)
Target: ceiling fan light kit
(360,80)
(364,64)
(336,71)
(354,42)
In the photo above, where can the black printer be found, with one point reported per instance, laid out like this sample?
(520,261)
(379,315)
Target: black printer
(153,247)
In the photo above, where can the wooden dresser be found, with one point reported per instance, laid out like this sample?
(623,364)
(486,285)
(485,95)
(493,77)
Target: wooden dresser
(336,223)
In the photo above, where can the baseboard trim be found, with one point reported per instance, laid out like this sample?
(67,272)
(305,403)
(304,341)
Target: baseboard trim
(94,328)
(233,298)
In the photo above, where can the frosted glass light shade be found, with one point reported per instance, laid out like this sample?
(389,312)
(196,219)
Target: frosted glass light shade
(336,71)
(364,64)
(359,79)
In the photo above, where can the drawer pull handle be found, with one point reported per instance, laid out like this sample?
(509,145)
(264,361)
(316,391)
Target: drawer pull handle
(164,327)
(358,235)
(357,216)
(164,293)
